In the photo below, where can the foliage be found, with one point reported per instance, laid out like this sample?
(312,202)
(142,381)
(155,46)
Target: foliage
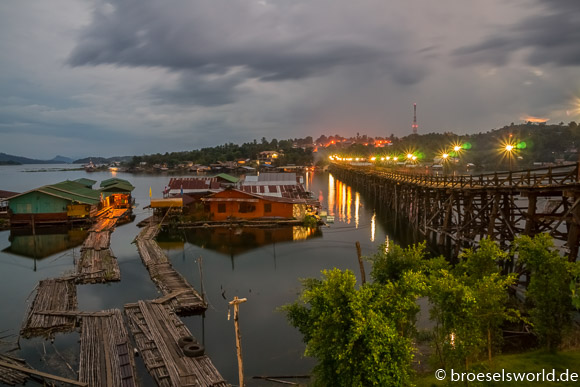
(310,221)
(356,333)
(549,291)
(390,263)
(469,305)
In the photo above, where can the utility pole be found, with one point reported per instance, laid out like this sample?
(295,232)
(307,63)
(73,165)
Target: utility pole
(360,262)
(236,303)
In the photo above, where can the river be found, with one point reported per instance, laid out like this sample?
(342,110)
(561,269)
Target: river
(264,267)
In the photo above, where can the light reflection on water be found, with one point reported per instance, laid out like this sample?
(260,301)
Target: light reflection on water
(262,265)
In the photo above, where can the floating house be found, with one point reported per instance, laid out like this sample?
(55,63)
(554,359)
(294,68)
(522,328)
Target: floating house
(117,193)
(68,201)
(4,197)
(237,204)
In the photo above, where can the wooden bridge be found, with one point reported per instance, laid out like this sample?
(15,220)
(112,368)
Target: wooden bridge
(459,210)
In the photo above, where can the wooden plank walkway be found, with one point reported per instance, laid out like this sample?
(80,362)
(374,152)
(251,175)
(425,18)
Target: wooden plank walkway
(59,295)
(186,299)
(157,330)
(106,354)
(97,263)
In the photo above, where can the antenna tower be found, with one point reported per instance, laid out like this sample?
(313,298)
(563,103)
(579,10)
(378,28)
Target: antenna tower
(414,126)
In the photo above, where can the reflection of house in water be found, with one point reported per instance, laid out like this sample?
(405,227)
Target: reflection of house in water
(44,242)
(236,240)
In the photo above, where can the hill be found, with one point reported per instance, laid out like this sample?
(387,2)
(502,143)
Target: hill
(7,159)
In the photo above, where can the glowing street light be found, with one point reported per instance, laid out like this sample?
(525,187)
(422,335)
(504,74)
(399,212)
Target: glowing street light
(509,149)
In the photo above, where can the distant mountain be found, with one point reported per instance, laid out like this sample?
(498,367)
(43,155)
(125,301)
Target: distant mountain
(11,159)
(62,160)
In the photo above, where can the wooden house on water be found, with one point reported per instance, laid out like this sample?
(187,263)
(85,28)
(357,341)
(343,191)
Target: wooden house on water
(117,193)
(67,202)
(4,197)
(236,204)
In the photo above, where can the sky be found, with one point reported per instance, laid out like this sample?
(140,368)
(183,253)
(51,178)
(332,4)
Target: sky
(85,78)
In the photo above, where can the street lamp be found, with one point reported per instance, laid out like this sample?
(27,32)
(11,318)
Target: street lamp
(509,149)
(445,156)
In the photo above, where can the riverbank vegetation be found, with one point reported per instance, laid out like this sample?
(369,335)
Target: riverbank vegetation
(534,144)
(365,334)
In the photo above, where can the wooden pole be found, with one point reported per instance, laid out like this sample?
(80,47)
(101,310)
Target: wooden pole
(360,263)
(236,303)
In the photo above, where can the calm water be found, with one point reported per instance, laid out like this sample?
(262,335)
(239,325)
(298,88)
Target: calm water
(263,266)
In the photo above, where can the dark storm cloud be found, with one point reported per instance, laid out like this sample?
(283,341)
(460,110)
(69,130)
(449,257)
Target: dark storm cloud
(268,41)
(203,90)
(551,36)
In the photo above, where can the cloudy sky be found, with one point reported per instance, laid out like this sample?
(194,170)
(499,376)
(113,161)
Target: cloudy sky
(125,77)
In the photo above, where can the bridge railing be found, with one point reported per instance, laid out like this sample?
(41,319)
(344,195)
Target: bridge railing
(531,178)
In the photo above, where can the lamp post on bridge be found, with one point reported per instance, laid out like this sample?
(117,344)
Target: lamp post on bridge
(509,151)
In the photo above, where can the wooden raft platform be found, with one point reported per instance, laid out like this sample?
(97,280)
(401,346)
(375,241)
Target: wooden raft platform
(52,295)
(12,376)
(181,296)
(156,330)
(106,354)
(97,263)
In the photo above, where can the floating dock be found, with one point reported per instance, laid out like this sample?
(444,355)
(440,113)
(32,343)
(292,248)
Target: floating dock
(97,263)
(180,295)
(106,354)
(45,317)
(157,331)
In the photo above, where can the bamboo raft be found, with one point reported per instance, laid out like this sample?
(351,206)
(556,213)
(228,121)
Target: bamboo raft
(184,298)
(106,354)
(97,263)
(12,376)
(157,330)
(96,266)
(54,295)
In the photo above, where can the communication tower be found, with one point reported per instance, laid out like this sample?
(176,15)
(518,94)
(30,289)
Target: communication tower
(415,126)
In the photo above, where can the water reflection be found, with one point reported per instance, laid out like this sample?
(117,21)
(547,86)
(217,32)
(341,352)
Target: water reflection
(373,226)
(234,241)
(44,242)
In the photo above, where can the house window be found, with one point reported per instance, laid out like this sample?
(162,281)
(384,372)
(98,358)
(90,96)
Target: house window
(247,207)
(267,207)
(221,208)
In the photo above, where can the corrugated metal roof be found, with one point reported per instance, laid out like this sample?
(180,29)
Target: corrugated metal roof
(7,194)
(230,178)
(194,183)
(69,190)
(114,180)
(85,181)
(73,191)
(118,187)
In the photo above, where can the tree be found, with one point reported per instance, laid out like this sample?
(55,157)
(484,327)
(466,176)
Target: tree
(549,291)
(390,264)
(469,304)
(354,333)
